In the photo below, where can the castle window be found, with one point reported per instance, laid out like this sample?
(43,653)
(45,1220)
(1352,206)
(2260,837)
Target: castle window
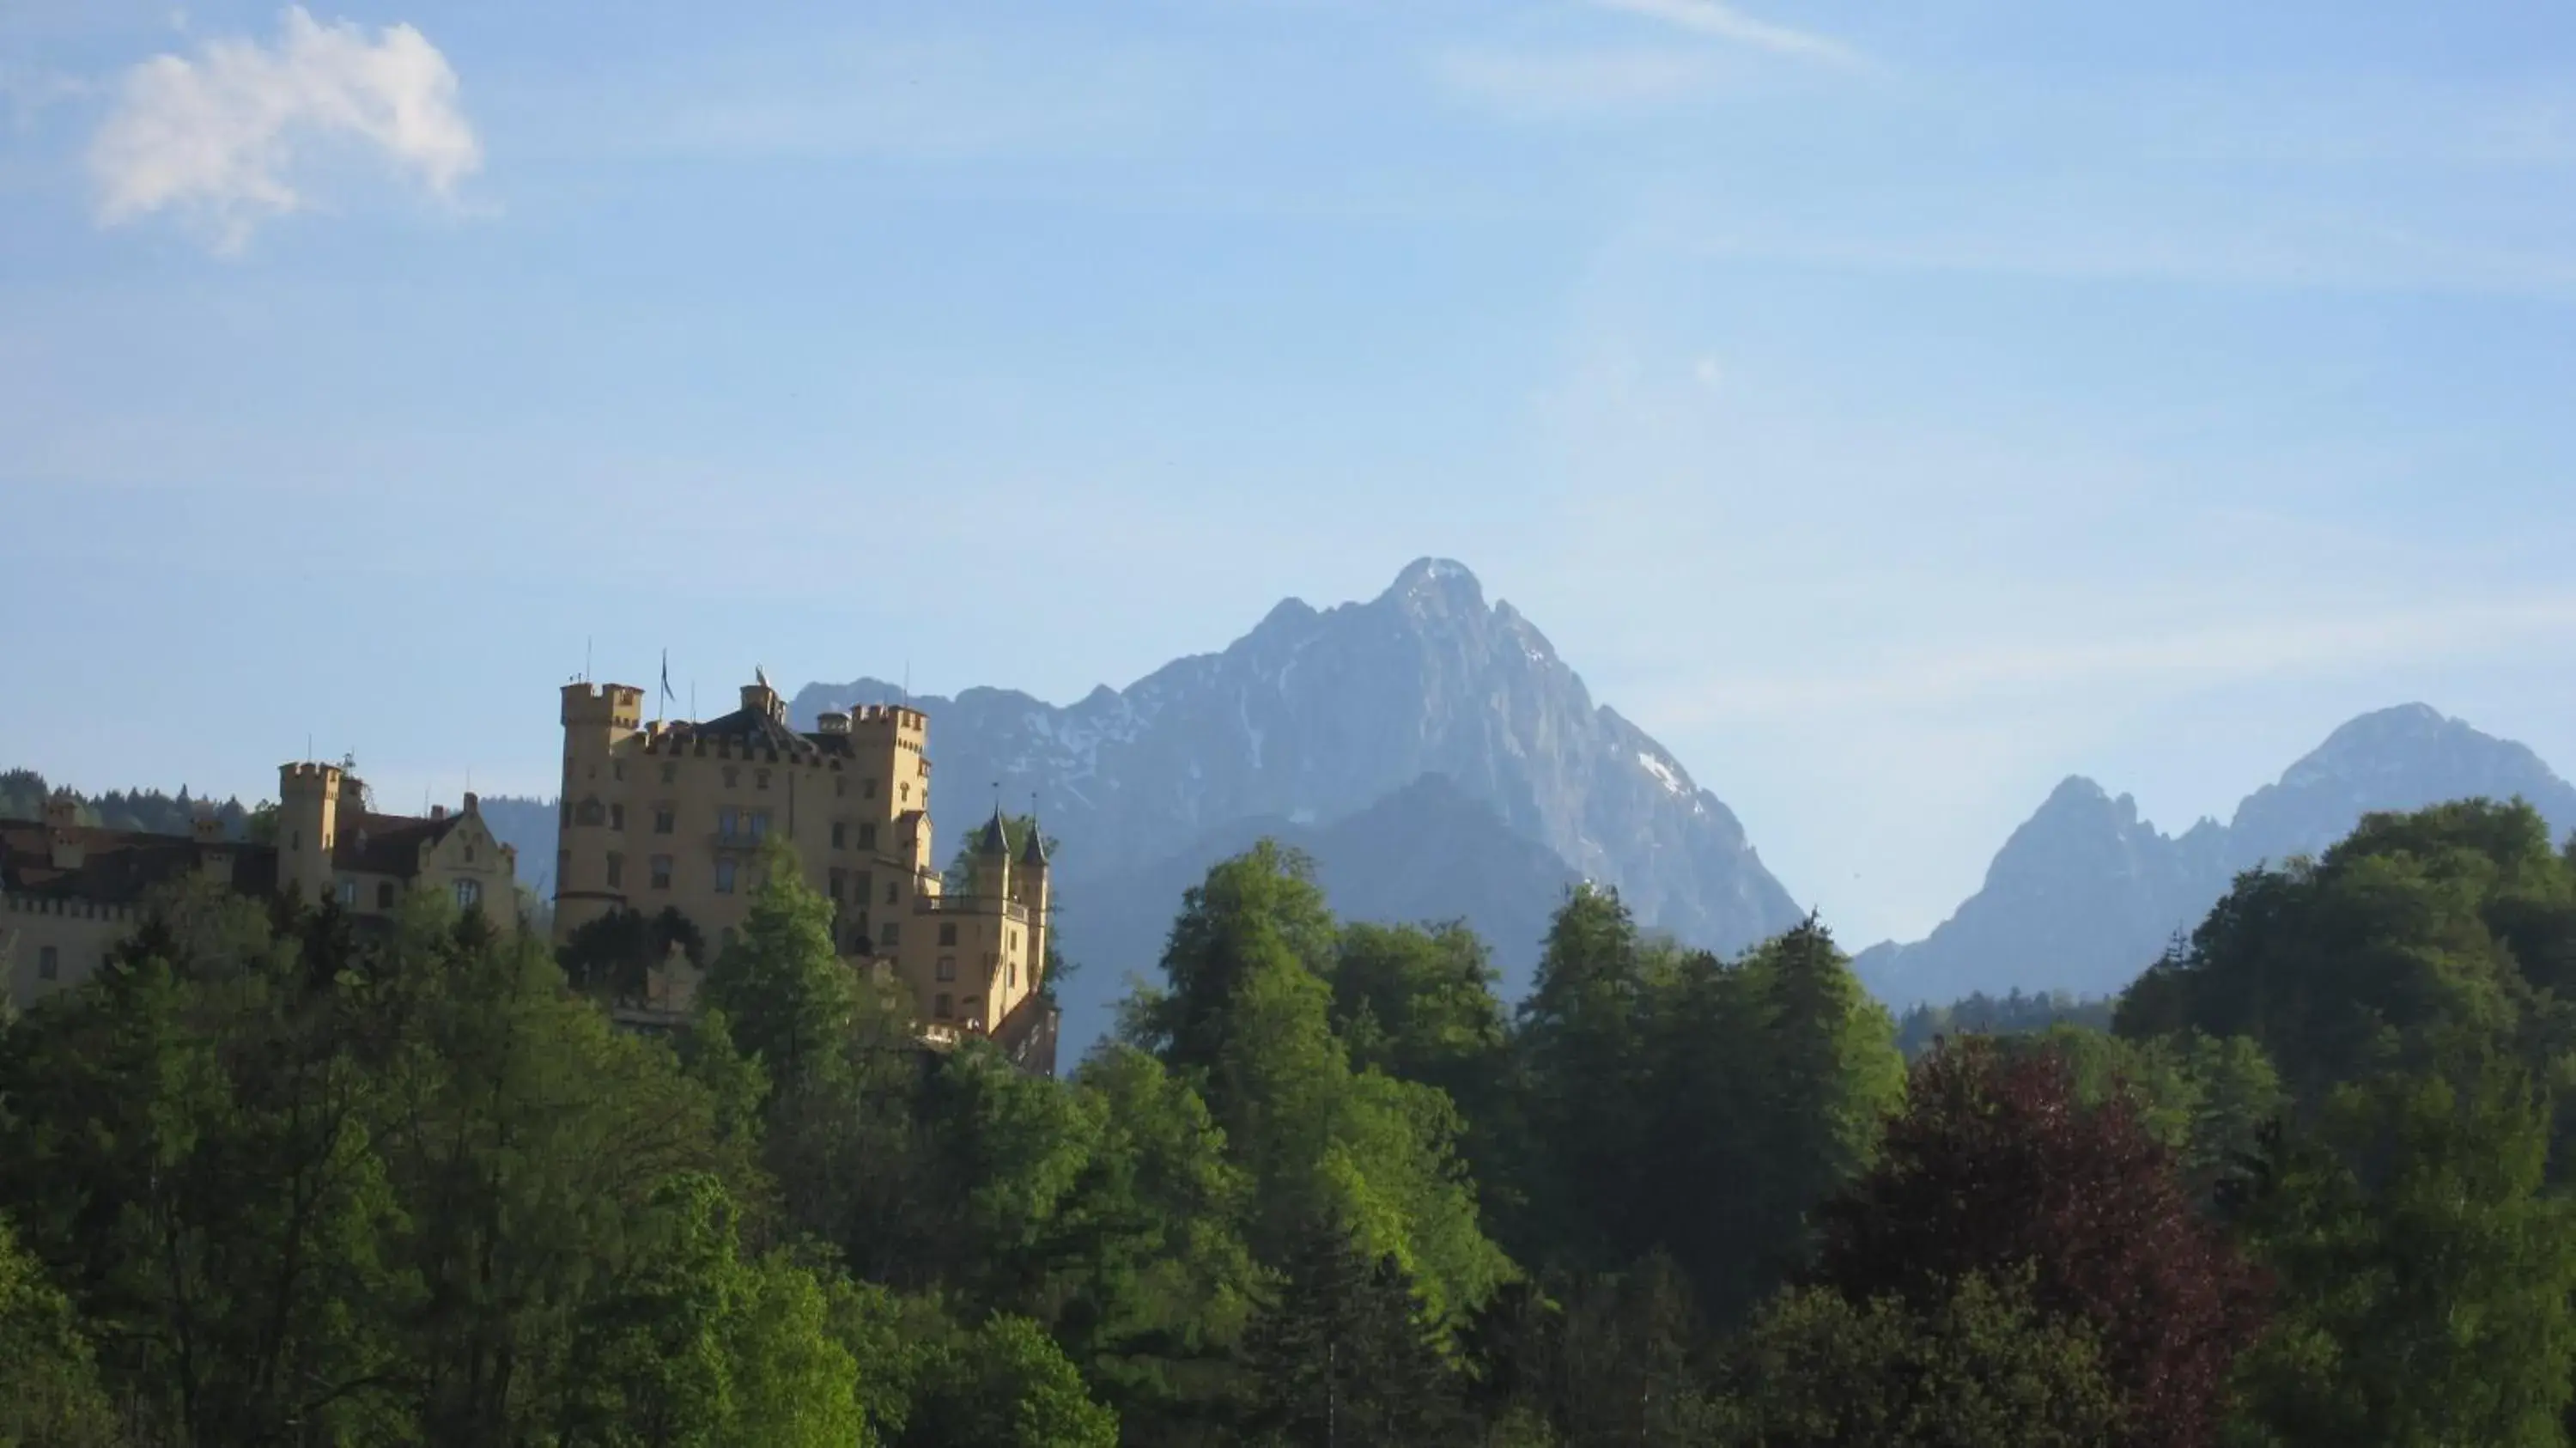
(907,792)
(384,894)
(665,819)
(891,888)
(1015,975)
(948,932)
(840,882)
(867,837)
(591,813)
(297,842)
(563,814)
(617,769)
(49,963)
(670,772)
(868,788)
(616,870)
(891,936)
(943,1007)
(732,777)
(469,893)
(948,967)
(863,886)
(1014,937)
(661,872)
(347,894)
(616,821)
(760,779)
(840,786)
(724,877)
(840,835)
(563,866)
(724,823)
(760,825)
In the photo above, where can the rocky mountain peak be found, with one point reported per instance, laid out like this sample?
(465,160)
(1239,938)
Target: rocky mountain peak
(1314,716)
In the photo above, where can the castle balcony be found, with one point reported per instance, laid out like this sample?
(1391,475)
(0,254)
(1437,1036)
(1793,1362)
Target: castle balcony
(970,905)
(741,842)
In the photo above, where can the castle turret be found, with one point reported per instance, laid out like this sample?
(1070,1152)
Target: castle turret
(988,870)
(308,822)
(596,719)
(1029,890)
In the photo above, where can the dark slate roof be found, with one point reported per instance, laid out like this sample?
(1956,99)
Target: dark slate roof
(747,727)
(1034,852)
(379,844)
(120,866)
(996,838)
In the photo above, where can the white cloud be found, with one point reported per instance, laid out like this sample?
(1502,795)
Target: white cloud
(218,139)
(1707,373)
(1725,22)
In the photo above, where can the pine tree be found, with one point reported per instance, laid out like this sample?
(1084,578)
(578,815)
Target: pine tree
(1341,1358)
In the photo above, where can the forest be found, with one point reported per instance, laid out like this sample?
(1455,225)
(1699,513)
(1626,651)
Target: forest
(274,1179)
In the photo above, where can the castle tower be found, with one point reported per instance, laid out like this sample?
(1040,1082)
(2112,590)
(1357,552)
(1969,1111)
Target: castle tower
(988,871)
(1029,890)
(596,719)
(308,822)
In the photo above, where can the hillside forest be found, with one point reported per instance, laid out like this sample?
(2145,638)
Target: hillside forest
(271,1179)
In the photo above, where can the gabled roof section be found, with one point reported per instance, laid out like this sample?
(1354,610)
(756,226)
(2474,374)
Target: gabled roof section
(378,844)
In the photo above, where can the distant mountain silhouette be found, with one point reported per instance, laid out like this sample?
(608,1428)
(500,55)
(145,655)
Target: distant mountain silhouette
(2084,895)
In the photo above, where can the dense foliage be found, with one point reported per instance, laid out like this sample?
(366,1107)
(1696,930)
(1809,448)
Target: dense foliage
(274,1178)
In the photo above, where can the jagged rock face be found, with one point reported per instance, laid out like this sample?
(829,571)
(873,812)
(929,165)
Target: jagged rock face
(1317,715)
(2085,895)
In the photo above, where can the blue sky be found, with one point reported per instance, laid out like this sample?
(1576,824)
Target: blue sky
(1893,408)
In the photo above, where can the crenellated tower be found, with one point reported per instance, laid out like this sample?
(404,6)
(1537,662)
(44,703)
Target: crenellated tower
(308,822)
(597,719)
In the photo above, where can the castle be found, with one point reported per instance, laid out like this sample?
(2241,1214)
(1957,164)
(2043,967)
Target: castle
(674,815)
(70,892)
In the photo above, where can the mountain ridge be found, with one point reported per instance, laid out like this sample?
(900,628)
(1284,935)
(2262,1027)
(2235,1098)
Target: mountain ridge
(2084,894)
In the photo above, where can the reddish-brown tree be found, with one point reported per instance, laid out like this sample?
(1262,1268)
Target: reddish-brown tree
(1994,1164)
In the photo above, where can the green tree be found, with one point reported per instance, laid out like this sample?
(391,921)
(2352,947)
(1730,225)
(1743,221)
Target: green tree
(49,1390)
(2426,1272)
(2413,930)
(1975,1365)
(1005,1385)
(781,984)
(1341,1355)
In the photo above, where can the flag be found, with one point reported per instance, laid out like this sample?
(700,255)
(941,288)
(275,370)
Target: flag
(666,676)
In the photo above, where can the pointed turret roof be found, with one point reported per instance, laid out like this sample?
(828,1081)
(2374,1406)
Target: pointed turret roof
(996,838)
(1034,852)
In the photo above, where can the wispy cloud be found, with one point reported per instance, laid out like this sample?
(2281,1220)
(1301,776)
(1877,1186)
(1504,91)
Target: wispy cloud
(1548,85)
(218,140)
(1724,22)
(2191,657)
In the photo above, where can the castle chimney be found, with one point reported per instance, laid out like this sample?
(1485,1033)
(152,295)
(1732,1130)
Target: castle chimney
(438,811)
(762,700)
(62,811)
(206,830)
(473,802)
